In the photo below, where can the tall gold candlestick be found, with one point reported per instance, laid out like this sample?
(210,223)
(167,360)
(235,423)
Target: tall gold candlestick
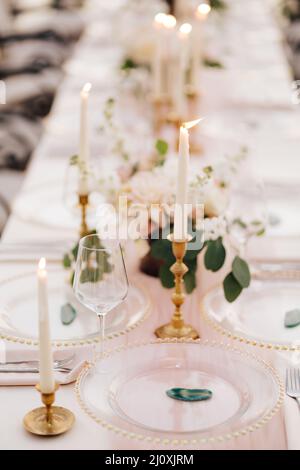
(83,204)
(48,420)
(160,106)
(177,327)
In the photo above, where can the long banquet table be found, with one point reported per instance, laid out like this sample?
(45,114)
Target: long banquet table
(95,59)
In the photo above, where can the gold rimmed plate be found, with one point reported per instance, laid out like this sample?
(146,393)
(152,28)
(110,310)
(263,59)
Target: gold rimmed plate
(19,311)
(257,318)
(125,391)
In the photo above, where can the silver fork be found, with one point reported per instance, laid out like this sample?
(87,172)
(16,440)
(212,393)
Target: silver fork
(8,369)
(292,384)
(63,365)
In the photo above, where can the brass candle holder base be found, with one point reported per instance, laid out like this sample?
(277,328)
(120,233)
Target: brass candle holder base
(169,331)
(174,120)
(83,204)
(48,420)
(177,328)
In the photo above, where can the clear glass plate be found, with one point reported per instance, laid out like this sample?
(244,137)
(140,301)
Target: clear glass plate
(125,391)
(19,311)
(257,317)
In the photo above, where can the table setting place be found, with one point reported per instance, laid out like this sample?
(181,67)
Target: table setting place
(150,250)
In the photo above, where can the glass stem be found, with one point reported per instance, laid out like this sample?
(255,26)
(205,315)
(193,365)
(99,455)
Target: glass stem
(102,332)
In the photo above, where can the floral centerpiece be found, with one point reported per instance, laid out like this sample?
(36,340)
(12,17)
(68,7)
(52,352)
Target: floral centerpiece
(147,181)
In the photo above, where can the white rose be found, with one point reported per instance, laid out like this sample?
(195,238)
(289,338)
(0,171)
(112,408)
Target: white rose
(215,200)
(149,187)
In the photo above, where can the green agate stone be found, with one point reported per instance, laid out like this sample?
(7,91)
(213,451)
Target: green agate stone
(67,314)
(189,394)
(292,318)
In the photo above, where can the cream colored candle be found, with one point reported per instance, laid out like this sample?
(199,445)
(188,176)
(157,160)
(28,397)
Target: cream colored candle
(158,56)
(180,216)
(181,209)
(201,15)
(184,59)
(47,382)
(84,150)
(169,41)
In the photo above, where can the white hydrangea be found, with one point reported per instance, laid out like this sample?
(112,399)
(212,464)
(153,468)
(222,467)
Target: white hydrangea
(214,228)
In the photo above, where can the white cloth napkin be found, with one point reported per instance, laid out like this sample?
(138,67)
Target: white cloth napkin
(14,353)
(292,423)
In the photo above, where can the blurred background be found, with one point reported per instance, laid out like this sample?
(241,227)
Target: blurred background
(37,37)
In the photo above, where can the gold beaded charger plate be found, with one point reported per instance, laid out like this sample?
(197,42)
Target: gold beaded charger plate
(125,391)
(19,311)
(258,316)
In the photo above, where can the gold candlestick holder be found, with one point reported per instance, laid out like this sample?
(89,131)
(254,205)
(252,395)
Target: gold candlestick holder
(48,420)
(192,93)
(175,121)
(83,204)
(177,328)
(160,111)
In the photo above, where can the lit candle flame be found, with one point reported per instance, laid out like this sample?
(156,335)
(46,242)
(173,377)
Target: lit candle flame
(203,10)
(86,89)
(190,124)
(169,21)
(42,264)
(160,18)
(186,28)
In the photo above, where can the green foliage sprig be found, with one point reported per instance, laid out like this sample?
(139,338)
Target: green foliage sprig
(219,5)
(214,259)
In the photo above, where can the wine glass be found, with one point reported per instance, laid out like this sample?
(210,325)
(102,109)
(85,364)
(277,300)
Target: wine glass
(100,281)
(247,212)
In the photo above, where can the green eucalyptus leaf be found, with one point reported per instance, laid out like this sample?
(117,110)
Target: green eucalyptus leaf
(162,147)
(241,272)
(128,64)
(215,255)
(232,289)
(75,251)
(218,4)
(261,232)
(166,277)
(191,255)
(67,262)
(190,281)
(239,222)
(162,250)
(207,62)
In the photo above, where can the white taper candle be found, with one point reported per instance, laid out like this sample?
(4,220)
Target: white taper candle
(181,208)
(180,216)
(47,382)
(184,56)
(84,149)
(201,14)
(158,56)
